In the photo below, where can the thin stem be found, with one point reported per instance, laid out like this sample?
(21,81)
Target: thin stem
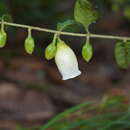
(54,39)
(29,32)
(88,36)
(2,25)
(67,33)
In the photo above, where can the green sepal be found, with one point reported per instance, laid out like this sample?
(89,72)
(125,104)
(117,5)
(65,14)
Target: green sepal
(29,44)
(87,51)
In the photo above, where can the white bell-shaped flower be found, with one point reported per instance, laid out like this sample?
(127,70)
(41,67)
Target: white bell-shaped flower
(66,61)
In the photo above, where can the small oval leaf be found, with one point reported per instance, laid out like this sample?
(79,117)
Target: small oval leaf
(84,13)
(3,38)
(128,51)
(7,18)
(121,54)
(65,24)
(87,52)
(50,51)
(29,45)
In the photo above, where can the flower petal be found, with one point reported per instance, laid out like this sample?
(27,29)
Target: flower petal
(66,61)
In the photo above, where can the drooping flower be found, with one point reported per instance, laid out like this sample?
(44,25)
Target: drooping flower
(66,61)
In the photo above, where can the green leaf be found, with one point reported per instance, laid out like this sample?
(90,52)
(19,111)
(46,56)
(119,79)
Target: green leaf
(7,18)
(84,13)
(50,51)
(128,51)
(29,45)
(122,54)
(87,52)
(63,25)
(3,38)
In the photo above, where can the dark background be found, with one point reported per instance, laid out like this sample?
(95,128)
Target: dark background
(31,89)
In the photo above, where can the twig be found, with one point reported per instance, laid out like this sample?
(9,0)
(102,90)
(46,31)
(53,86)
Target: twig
(67,33)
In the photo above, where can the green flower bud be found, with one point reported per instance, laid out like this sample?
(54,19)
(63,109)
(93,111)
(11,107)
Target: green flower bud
(3,38)
(50,51)
(87,51)
(29,45)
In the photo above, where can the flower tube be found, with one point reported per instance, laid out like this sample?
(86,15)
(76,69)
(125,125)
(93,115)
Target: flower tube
(66,61)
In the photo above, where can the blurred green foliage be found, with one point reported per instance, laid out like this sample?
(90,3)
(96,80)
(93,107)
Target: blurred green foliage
(52,11)
(35,10)
(3,8)
(112,113)
(120,5)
